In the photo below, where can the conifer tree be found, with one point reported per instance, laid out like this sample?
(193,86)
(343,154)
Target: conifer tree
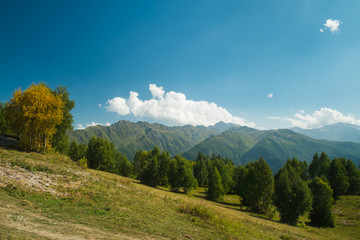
(338,178)
(292,196)
(319,166)
(215,190)
(321,213)
(257,186)
(200,170)
(354,178)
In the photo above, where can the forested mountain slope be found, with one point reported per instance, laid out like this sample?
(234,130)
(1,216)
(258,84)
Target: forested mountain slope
(275,146)
(129,137)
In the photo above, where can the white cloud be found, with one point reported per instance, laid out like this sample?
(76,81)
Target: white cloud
(270,95)
(80,127)
(118,105)
(156,92)
(274,118)
(319,118)
(321,30)
(92,124)
(173,108)
(332,25)
(99,105)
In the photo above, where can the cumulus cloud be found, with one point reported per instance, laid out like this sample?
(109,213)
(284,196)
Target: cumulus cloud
(332,25)
(173,108)
(270,95)
(319,118)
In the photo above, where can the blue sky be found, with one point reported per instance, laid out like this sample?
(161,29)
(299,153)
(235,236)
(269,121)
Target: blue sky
(233,54)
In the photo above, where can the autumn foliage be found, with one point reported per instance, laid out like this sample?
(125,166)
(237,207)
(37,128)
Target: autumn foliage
(33,115)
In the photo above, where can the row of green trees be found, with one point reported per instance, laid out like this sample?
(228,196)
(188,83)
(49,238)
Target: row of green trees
(342,175)
(101,155)
(295,189)
(156,168)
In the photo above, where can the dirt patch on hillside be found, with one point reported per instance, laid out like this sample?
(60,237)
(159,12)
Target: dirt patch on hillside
(37,181)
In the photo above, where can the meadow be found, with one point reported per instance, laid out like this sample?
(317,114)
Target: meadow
(48,196)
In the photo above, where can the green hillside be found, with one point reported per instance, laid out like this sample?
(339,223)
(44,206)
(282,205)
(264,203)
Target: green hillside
(47,196)
(276,146)
(129,137)
(240,144)
(231,144)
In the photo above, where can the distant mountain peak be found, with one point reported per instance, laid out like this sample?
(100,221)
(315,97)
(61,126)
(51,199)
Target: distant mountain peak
(337,132)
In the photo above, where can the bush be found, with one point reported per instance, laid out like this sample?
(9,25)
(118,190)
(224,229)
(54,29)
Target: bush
(82,162)
(196,211)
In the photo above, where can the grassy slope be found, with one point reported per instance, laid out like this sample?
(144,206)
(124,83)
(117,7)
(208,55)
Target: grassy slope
(49,197)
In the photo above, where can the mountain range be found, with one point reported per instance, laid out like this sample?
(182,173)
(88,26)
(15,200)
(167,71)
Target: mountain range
(129,137)
(336,132)
(240,144)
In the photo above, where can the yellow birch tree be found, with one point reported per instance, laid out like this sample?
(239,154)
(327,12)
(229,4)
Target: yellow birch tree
(33,115)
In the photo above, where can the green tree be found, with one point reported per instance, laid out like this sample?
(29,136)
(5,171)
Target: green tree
(200,170)
(321,213)
(215,190)
(123,166)
(181,175)
(339,181)
(319,166)
(300,167)
(148,166)
(164,168)
(60,140)
(138,163)
(292,196)
(354,178)
(226,170)
(77,151)
(257,186)
(239,174)
(100,155)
